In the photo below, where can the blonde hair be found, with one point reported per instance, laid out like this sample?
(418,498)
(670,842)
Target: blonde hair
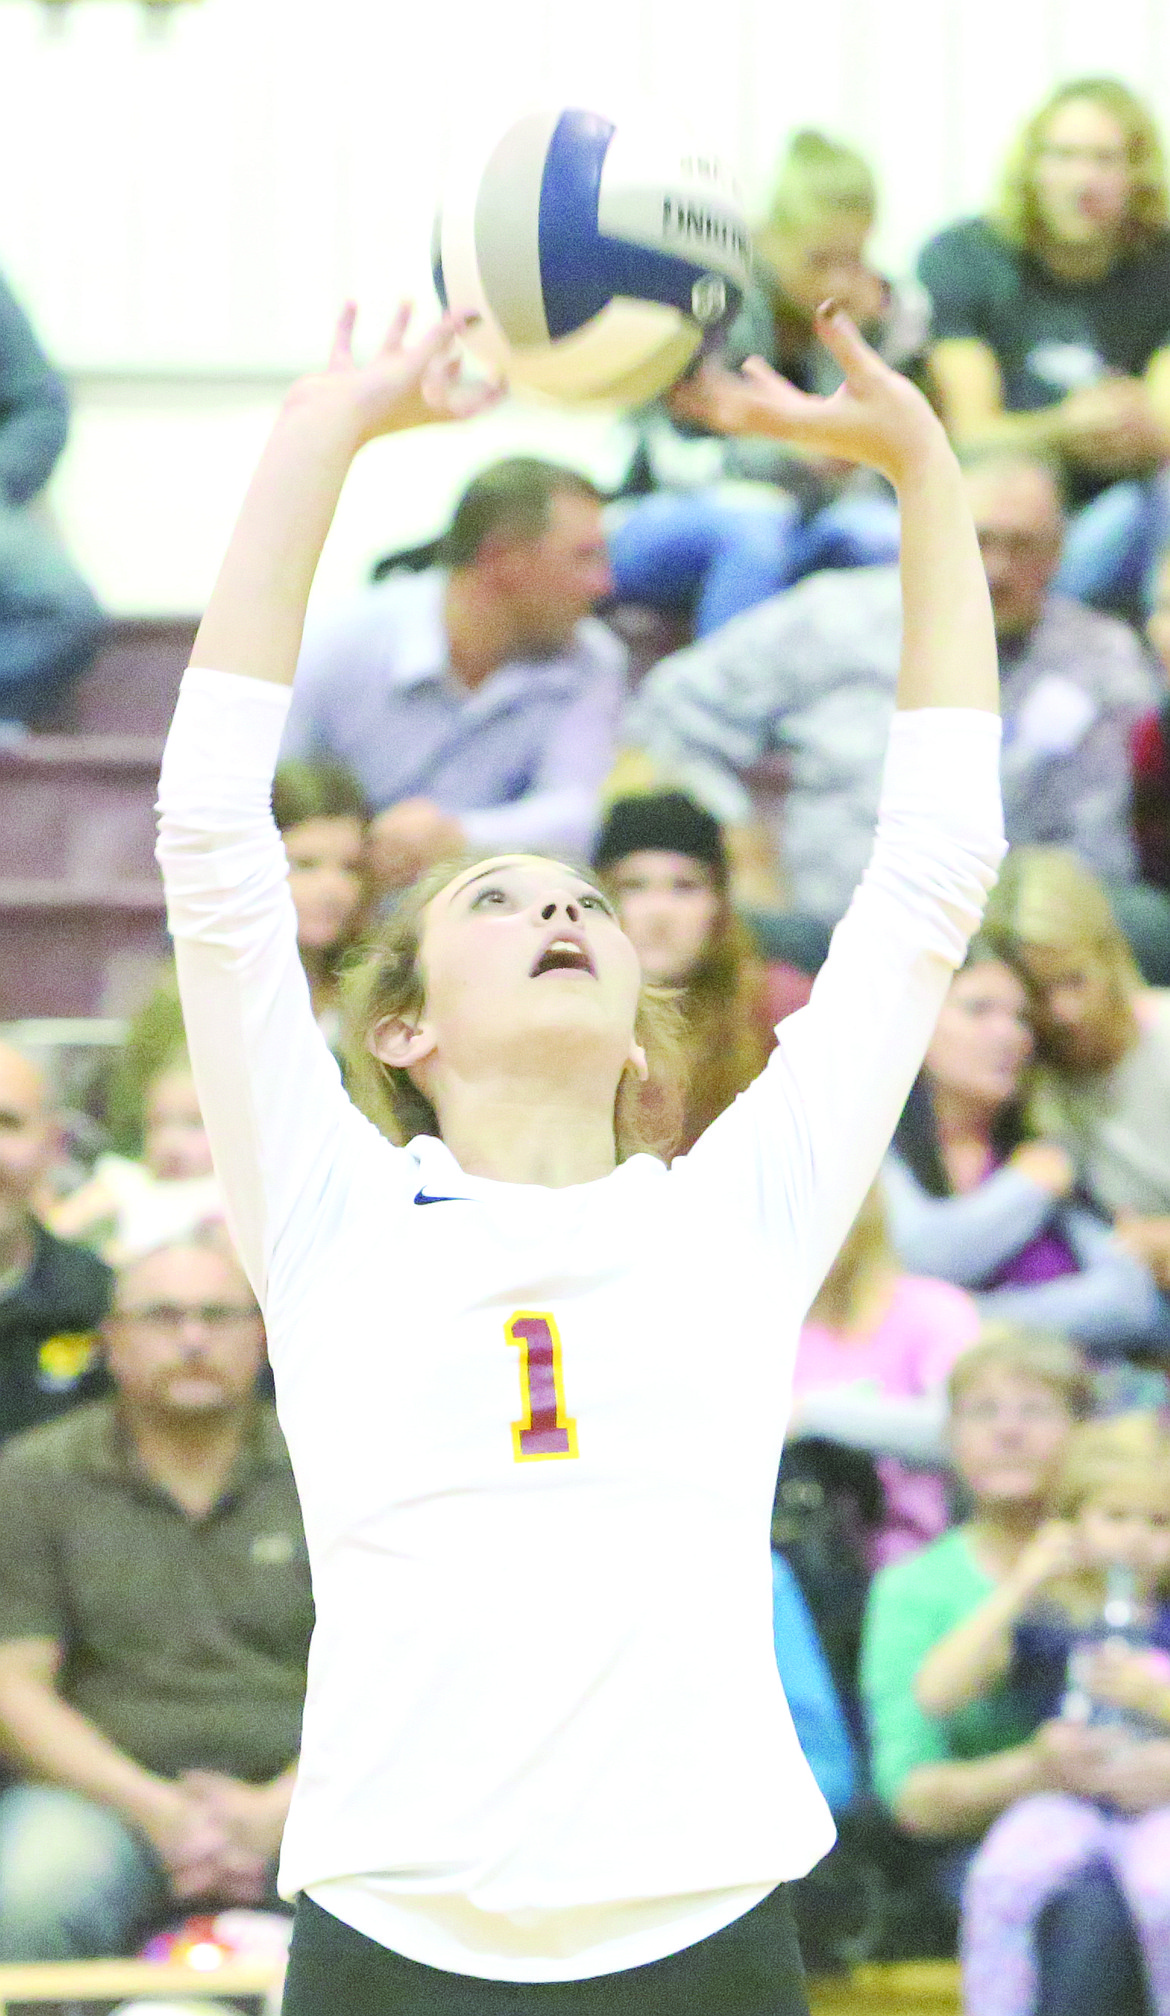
(819,178)
(1038,1355)
(1125,1458)
(1046,900)
(1016,213)
(865,1258)
(386,982)
(1128,1452)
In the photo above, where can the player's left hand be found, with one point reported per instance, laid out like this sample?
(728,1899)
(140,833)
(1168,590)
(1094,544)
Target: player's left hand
(876,417)
(404,384)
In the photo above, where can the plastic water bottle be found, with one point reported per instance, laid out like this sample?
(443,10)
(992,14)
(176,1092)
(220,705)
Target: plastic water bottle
(1123,1621)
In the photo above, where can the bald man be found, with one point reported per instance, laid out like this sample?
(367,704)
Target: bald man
(781,718)
(52,1296)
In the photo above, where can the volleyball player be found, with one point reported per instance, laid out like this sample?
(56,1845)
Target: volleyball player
(534,1386)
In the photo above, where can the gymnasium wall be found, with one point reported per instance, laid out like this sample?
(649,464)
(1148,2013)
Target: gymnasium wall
(190,191)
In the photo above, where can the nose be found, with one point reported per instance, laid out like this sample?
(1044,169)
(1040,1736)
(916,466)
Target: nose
(561,906)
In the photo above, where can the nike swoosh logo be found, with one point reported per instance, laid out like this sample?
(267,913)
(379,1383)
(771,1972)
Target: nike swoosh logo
(422,1198)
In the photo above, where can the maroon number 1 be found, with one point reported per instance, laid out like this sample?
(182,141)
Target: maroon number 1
(546,1429)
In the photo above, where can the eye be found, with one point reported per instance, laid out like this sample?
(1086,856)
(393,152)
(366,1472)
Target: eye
(591,899)
(491,896)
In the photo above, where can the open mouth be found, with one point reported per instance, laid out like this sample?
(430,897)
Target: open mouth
(564,955)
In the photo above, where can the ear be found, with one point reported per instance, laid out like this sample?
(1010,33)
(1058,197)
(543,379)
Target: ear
(402,1044)
(636,1062)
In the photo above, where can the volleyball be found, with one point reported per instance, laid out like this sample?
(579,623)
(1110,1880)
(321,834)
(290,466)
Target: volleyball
(601,257)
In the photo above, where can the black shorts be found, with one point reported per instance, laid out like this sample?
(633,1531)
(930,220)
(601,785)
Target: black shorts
(749,1968)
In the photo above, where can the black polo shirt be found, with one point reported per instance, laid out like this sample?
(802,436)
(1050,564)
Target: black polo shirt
(50,1352)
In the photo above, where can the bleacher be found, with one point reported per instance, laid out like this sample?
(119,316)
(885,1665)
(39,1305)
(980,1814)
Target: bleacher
(81,909)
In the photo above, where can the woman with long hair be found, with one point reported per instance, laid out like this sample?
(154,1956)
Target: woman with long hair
(533,1382)
(662,859)
(1102,1042)
(1050,322)
(977,1197)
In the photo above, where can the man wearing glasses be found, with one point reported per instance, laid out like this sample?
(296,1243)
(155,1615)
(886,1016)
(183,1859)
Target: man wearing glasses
(155,1613)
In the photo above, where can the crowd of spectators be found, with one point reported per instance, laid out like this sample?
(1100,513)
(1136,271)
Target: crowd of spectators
(978,1460)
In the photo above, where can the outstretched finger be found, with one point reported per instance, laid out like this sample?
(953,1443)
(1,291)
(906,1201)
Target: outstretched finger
(844,341)
(342,352)
(398,327)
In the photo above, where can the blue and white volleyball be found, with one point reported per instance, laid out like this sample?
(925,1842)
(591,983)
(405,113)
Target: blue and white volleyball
(602,257)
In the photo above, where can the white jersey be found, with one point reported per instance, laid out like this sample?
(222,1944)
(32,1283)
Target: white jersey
(536,1431)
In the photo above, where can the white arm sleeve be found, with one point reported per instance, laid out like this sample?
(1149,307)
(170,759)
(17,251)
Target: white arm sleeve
(795,1153)
(283,1133)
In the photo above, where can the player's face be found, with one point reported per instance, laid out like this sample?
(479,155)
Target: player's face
(185,1337)
(1008,1434)
(325,877)
(668,905)
(982,1039)
(1082,176)
(527,975)
(1127,1529)
(553,581)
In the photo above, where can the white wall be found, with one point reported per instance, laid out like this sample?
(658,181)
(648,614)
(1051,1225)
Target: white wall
(191,192)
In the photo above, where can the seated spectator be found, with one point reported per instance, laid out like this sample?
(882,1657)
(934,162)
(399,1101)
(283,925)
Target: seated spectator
(1082,1626)
(1051,317)
(1103,1041)
(50,624)
(476,703)
(322,818)
(782,717)
(1150,750)
(720,547)
(166,1188)
(1014,1402)
(155,1613)
(52,1295)
(663,861)
(974,1197)
(871,1370)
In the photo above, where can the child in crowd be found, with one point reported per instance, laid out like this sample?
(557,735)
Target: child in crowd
(322,818)
(871,1370)
(663,861)
(976,1199)
(1096,1661)
(738,521)
(157,1183)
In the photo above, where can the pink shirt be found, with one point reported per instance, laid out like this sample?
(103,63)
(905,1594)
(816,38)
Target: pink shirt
(909,1351)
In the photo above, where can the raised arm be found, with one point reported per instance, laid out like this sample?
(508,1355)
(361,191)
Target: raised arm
(256,613)
(879,419)
(798,1150)
(245,999)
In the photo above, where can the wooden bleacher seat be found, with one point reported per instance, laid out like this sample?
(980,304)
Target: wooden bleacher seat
(132,685)
(927,1988)
(905,1988)
(76,1983)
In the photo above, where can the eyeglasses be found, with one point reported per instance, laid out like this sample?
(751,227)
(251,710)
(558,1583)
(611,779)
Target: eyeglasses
(175,1316)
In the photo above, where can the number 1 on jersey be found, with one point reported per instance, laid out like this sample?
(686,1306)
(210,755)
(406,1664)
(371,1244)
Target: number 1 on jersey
(546,1429)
